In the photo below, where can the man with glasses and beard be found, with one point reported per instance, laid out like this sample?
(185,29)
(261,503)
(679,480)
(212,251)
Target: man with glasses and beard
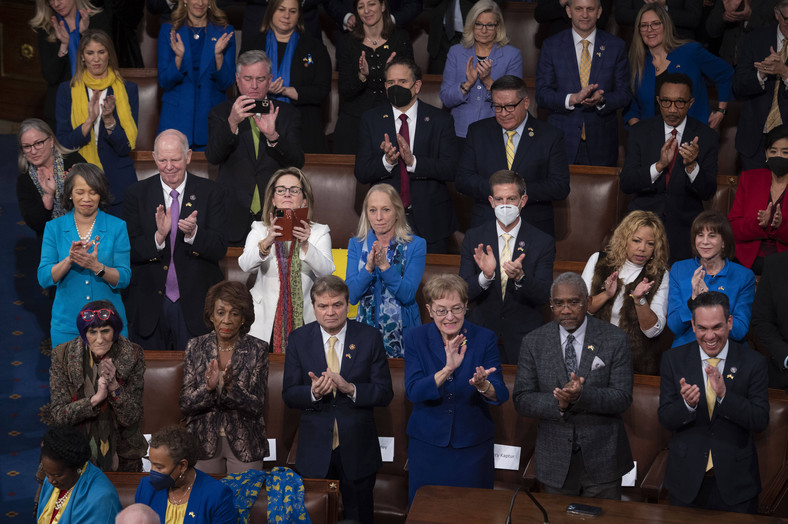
(671,165)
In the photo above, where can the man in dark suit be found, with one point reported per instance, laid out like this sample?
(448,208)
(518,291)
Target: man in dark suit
(583,79)
(516,141)
(714,397)
(671,164)
(177,224)
(508,265)
(419,172)
(761,72)
(575,375)
(336,372)
(249,147)
(770,317)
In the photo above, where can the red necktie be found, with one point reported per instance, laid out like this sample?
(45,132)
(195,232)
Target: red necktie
(672,162)
(404,177)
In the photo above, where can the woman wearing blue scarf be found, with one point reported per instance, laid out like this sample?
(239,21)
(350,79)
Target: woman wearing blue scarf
(59,28)
(300,68)
(196,66)
(385,263)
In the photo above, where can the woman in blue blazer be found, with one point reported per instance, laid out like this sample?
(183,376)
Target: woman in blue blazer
(385,263)
(452,373)
(483,56)
(85,253)
(657,50)
(196,67)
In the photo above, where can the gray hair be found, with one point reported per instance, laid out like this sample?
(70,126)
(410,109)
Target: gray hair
(597,2)
(171,132)
(39,125)
(252,57)
(137,514)
(570,279)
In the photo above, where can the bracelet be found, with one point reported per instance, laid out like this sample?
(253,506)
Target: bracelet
(116,392)
(465,91)
(112,127)
(722,110)
(265,253)
(489,385)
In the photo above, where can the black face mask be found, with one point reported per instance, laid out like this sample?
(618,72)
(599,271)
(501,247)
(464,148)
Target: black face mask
(777,165)
(399,96)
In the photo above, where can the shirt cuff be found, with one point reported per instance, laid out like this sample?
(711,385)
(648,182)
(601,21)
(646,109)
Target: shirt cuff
(190,241)
(690,407)
(484,282)
(411,169)
(159,246)
(344,21)
(653,172)
(386,165)
(761,79)
(566,102)
(694,173)
(785,363)
(353,396)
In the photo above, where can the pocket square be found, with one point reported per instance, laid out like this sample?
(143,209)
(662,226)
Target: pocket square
(597,364)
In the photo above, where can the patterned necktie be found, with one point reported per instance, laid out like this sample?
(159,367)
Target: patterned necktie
(774,119)
(333,365)
(570,357)
(404,177)
(669,170)
(256,205)
(506,256)
(171,285)
(711,401)
(510,149)
(585,74)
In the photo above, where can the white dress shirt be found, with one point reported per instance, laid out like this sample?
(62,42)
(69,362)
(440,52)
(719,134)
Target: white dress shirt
(578,343)
(411,114)
(722,355)
(168,203)
(484,282)
(679,136)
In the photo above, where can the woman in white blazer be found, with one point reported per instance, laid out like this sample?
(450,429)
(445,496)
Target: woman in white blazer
(285,265)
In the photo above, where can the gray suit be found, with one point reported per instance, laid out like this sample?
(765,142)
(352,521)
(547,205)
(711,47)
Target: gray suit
(594,421)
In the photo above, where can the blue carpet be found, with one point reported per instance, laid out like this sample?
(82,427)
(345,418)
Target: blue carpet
(24,331)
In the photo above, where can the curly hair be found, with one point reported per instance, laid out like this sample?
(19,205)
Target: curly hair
(234,294)
(180,444)
(616,250)
(67,445)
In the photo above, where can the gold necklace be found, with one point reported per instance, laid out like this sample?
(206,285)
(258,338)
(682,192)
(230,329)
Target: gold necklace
(185,495)
(62,499)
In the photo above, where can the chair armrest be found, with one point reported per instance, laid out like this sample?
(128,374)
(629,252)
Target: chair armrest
(529,475)
(774,493)
(291,455)
(651,487)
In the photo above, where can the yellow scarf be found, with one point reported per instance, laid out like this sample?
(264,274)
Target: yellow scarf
(79,110)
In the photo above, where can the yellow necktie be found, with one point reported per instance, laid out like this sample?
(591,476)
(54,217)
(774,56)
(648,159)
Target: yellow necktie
(333,365)
(510,149)
(256,205)
(585,74)
(773,119)
(506,256)
(711,401)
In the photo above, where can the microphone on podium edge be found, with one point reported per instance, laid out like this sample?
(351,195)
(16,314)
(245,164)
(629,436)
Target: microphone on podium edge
(533,499)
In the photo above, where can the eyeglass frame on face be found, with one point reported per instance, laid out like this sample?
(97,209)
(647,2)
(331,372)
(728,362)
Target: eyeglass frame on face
(573,304)
(455,310)
(89,314)
(294,190)
(37,145)
(656,24)
(488,27)
(680,103)
(509,108)
(777,10)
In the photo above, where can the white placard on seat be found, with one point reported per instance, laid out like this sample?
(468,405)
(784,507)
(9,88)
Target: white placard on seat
(507,457)
(387,448)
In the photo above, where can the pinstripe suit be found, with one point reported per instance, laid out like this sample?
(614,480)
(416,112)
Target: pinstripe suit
(594,421)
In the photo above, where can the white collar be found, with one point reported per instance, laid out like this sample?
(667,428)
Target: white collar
(679,128)
(577,38)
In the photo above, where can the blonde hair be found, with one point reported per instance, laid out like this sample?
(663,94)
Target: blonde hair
(95,35)
(480,7)
(444,284)
(36,124)
(44,13)
(181,14)
(402,231)
(637,49)
(616,250)
(306,187)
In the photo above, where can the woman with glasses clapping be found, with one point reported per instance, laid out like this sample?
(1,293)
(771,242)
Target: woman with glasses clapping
(286,270)
(656,49)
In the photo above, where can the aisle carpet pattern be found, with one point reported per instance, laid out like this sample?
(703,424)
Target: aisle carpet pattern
(24,346)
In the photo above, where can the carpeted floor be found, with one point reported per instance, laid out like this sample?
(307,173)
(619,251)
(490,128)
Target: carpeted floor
(24,346)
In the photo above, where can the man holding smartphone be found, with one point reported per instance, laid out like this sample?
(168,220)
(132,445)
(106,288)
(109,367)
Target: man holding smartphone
(249,138)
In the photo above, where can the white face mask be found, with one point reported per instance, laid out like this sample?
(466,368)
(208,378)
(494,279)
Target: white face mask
(507,213)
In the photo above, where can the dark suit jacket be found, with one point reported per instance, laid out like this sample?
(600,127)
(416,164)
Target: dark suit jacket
(679,204)
(729,434)
(770,317)
(594,421)
(733,33)
(540,159)
(757,101)
(404,11)
(557,75)
(435,148)
(240,170)
(197,265)
(363,364)
(521,311)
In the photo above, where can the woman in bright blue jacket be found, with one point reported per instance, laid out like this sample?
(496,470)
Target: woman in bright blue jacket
(196,67)
(385,263)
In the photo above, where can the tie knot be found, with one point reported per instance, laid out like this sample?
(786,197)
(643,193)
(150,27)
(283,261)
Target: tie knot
(570,338)
(674,132)
(713,361)
(511,134)
(585,44)
(331,341)
(174,194)
(403,118)
(507,237)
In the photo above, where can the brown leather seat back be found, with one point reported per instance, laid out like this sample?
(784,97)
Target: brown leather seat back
(522,28)
(726,192)
(147,81)
(161,395)
(772,446)
(281,422)
(646,435)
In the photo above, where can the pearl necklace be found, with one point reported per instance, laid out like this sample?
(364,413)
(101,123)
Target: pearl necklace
(62,499)
(84,238)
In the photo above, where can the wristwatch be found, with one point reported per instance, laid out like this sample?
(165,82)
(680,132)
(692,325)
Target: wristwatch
(722,110)
(638,302)
(103,270)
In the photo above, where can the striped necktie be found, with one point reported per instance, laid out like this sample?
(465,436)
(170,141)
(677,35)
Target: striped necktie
(333,365)
(510,149)
(585,74)
(506,256)
(711,401)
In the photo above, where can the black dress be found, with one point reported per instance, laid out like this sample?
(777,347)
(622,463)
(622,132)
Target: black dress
(355,96)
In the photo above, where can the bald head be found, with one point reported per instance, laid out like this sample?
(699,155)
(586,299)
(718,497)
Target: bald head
(137,514)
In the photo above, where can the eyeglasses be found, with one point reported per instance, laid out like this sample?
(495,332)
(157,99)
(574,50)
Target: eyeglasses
(680,103)
(281,190)
(489,27)
(38,144)
(653,26)
(441,312)
(573,304)
(509,108)
(90,314)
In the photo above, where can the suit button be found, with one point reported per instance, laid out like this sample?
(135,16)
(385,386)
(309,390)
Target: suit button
(451,412)
(87,282)
(195,253)
(164,268)
(450,396)
(450,378)
(159,292)
(87,297)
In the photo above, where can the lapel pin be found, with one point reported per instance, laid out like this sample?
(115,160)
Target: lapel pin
(521,246)
(729,376)
(531,132)
(348,355)
(308,60)
(191,514)
(188,204)
(385,116)
(192,197)
(599,55)
(721,288)
(386,46)
(96,239)
(601,48)
(213,39)
(352,346)
(591,347)
(734,369)
(426,119)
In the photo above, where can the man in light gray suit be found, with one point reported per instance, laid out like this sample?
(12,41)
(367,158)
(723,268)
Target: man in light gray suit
(575,375)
